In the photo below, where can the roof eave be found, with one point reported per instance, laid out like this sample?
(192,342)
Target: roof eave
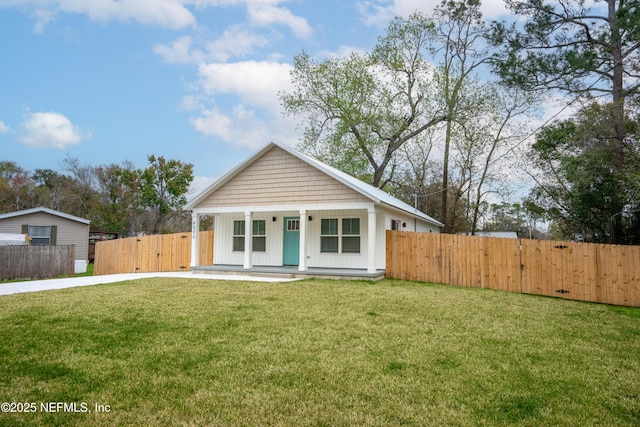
(419,215)
(47,211)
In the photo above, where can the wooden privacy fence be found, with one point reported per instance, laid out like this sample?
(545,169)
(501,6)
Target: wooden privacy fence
(581,271)
(36,262)
(162,252)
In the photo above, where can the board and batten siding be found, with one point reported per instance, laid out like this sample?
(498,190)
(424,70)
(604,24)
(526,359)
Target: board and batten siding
(278,177)
(333,260)
(223,239)
(69,232)
(273,255)
(384,218)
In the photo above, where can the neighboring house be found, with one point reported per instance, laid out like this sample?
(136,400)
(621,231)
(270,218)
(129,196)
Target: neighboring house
(47,227)
(301,213)
(499,234)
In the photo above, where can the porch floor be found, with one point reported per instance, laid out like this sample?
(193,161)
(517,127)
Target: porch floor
(291,272)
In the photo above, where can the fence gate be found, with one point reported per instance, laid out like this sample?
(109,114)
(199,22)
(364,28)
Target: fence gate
(548,268)
(581,271)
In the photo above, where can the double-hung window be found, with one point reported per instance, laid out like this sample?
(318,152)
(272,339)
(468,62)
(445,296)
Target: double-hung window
(40,235)
(329,236)
(238,236)
(258,237)
(351,235)
(340,236)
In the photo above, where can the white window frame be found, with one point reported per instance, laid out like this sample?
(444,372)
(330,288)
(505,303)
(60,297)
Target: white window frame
(238,239)
(341,236)
(259,237)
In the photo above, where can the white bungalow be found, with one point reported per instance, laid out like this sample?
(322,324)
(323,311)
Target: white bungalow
(305,217)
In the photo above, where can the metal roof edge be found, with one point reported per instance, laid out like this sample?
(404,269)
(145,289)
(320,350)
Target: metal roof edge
(45,210)
(354,183)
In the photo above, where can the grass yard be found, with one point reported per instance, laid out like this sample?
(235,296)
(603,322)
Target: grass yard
(320,353)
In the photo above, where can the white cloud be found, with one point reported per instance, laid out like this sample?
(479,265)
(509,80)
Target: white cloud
(51,129)
(256,82)
(164,13)
(262,14)
(42,18)
(3,127)
(379,12)
(256,117)
(191,103)
(235,42)
(173,14)
(342,52)
(243,127)
(179,52)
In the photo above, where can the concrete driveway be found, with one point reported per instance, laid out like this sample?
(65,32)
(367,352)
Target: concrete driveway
(70,282)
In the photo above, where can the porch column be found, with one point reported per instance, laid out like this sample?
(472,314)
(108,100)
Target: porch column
(195,239)
(371,239)
(248,240)
(302,265)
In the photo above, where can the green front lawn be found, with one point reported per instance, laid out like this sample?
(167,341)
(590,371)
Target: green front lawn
(322,353)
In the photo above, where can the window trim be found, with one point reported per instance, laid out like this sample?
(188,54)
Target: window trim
(340,236)
(39,239)
(350,236)
(259,237)
(330,236)
(239,239)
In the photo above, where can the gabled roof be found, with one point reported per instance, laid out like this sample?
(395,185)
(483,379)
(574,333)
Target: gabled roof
(42,209)
(372,193)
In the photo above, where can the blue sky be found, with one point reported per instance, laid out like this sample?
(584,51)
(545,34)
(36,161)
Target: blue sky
(108,81)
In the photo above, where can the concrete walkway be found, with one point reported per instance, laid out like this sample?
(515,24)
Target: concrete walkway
(70,282)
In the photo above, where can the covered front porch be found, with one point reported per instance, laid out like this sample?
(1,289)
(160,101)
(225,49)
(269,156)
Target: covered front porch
(292,272)
(309,240)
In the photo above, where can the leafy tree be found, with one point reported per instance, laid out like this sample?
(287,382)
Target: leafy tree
(460,33)
(507,217)
(578,188)
(487,147)
(119,189)
(83,200)
(164,184)
(17,189)
(584,49)
(53,189)
(361,109)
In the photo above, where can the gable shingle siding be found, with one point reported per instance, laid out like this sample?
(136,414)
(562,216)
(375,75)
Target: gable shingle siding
(278,178)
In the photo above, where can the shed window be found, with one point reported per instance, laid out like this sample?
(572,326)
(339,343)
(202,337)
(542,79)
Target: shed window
(40,235)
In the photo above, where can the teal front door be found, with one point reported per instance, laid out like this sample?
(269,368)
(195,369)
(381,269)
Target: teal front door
(291,255)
